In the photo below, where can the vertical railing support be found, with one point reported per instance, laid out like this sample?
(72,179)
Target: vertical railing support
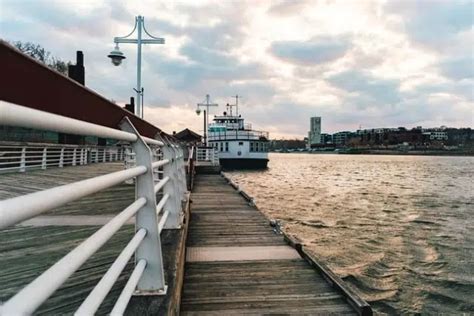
(182,172)
(178,174)
(23,160)
(104,155)
(152,280)
(74,157)
(61,158)
(173,204)
(44,159)
(97,155)
(84,156)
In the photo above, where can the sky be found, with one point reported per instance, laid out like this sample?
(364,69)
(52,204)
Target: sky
(355,63)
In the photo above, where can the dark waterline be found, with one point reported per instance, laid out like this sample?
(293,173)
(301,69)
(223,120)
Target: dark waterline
(399,229)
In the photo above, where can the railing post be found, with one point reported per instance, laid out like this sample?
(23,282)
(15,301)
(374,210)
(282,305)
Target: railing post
(104,155)
(23,160)
(176,177)
(182,171)
(152,281)
(97,155)
(44,158)
(74,157)
(61,158)
(83,156)
(128,163)
(156,172)
(173,204)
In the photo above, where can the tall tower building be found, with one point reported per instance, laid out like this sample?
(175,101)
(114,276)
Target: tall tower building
(314,134)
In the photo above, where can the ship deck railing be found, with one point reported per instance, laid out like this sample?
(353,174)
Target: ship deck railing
(206,156)
(229,135)
(151,217)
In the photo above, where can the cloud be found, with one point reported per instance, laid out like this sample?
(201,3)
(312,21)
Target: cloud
(287,8)
(458,68)
(433,23)
(370,63)
(203,55)
(313,52)
(181,75)
(378,90)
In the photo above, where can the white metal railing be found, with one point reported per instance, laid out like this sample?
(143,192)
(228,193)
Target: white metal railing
(150,217)
(16,157)
(207,156)
(237,135)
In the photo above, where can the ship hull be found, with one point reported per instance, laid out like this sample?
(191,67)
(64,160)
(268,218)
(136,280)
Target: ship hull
(243,163)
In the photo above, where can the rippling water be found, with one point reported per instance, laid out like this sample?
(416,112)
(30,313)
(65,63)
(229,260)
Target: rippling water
(398,229)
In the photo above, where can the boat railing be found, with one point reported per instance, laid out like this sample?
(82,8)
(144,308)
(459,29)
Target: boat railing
(151,217)
(207,156)
(228,135)
(22,157)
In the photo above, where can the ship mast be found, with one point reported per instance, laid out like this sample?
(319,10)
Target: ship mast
(236,104)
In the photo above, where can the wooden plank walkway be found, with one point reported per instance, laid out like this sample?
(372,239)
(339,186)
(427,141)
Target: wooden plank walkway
(27,250)
(31,247)
(217,283)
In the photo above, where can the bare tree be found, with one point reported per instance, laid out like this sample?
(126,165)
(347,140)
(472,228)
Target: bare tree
(39,53)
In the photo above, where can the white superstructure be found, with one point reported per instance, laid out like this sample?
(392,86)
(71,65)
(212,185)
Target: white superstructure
(237,144)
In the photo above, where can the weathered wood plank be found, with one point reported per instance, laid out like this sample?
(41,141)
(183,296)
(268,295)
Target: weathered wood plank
(26,250)
(222,218)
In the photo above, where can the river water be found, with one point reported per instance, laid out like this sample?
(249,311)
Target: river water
(398,229)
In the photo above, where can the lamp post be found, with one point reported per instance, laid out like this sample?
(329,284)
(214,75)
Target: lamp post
(117,56)
(206,115)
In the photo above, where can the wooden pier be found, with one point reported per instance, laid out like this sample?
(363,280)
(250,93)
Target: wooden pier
(236,263)
(28,249)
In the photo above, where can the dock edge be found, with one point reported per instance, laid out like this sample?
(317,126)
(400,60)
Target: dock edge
(360,305)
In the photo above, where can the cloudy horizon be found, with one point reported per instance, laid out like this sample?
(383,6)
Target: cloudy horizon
(354,63)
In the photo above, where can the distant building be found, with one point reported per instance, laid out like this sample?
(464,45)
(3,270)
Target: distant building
(188,136)
(326,138)
(437,135)
(314,134)
(341,138)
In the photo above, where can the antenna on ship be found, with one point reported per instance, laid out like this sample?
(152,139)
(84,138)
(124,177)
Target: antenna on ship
(236,103)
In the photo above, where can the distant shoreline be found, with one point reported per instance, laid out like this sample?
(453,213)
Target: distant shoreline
(387,152)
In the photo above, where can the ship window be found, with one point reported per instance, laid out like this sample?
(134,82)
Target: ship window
(222,146)
(226,146)
(241,143)
(251,146)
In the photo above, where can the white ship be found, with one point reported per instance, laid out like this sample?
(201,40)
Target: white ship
(237,144)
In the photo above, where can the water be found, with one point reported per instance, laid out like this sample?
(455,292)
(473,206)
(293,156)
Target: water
(398,229)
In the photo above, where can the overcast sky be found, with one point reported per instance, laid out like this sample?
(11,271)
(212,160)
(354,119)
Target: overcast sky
(354,63)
